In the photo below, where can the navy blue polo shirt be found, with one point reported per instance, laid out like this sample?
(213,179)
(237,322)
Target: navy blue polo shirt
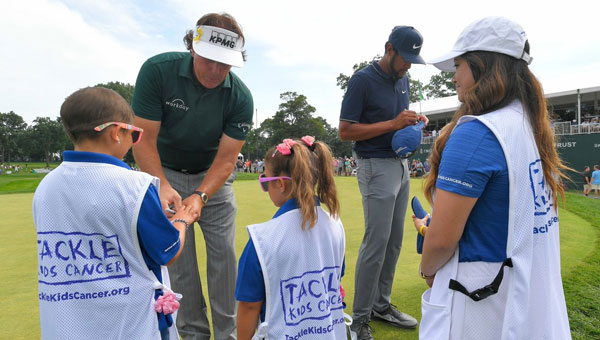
(373,96)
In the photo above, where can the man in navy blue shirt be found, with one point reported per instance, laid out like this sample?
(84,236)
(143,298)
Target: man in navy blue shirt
(374,107)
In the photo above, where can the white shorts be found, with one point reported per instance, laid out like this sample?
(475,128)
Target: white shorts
(596,186)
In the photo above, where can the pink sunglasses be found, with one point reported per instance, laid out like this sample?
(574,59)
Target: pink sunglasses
(136,133)
(264,181)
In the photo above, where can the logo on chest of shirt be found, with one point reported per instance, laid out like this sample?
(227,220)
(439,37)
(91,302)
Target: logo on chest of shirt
(178,104)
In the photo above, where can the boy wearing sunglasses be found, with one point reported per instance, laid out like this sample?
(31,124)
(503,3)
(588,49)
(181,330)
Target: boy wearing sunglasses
(103,239)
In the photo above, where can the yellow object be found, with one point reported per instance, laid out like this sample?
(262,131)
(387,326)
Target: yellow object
(197,37)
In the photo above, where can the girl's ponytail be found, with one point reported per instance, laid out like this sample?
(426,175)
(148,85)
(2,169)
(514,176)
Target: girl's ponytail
(326,190)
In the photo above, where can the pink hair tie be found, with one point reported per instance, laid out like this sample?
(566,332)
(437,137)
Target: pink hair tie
(308,140)
(167,303)
(285,148)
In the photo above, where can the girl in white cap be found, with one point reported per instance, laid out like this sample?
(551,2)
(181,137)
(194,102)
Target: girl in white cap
(491,254)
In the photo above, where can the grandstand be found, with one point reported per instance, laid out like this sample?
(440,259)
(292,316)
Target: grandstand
(576,122)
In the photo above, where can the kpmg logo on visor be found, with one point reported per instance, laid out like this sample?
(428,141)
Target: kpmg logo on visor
(222,39)
(541,193)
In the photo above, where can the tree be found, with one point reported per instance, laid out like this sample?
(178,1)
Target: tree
(292,120)
(338,147)
(11,127)
(48,137)
(440,85)
(416,90)
(255,146)
(125,90)
(342,79)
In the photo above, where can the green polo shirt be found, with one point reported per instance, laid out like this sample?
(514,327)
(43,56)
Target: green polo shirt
(192,117)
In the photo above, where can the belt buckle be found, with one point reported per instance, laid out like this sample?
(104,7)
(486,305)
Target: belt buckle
(185,171)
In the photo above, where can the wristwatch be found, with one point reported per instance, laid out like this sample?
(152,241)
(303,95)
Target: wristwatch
(203,196)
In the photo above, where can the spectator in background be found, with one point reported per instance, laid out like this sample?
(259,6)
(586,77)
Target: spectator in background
(426,166)
(596,180)
(413,168)
(347,166)
(420,170)
(587,180)
(336,162)
(260,166)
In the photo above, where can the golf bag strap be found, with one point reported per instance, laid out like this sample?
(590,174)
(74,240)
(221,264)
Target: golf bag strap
(488,290)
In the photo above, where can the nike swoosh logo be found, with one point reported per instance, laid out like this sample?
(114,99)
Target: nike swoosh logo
(415,46)
(403,91)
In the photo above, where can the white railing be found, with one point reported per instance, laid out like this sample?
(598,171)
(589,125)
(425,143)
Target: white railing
(585,129)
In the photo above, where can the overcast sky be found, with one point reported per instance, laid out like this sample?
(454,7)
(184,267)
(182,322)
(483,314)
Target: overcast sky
(50,48)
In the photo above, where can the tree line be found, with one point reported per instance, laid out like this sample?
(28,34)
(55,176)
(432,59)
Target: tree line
(44,140)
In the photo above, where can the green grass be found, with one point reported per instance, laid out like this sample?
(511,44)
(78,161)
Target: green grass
(582,289)
(19,183)
(580,226)
(244,176)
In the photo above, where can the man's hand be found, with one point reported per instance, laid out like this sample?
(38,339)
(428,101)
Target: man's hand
(168,196)
(404,119)
(423,118)
(195,203)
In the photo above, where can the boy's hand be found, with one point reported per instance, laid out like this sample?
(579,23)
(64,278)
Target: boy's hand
(187,213)
(169,197)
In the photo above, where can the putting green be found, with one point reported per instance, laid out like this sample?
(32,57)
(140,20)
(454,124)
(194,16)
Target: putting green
(18,288)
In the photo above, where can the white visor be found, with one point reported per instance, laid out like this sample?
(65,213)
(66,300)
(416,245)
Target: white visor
(219,44)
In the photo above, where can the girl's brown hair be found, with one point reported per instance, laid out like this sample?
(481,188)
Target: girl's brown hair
(309,167)
(500,79)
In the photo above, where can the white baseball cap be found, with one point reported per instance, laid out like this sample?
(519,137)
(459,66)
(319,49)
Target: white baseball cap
(219,44)
(492,34)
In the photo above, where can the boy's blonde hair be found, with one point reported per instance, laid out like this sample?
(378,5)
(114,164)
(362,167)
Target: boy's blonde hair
(89,107)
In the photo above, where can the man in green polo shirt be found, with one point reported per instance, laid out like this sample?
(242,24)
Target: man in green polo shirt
(196,114)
